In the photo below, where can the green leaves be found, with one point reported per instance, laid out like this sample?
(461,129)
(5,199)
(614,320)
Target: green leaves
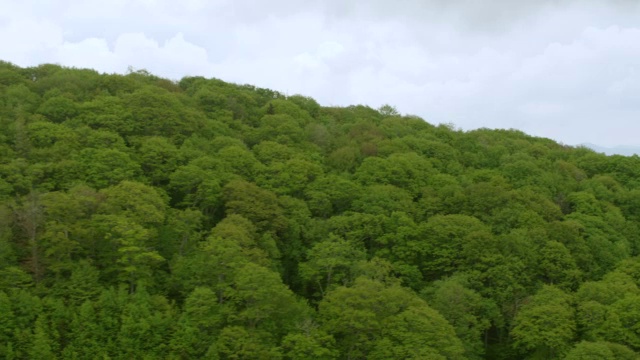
(144,218)
(545,324)
(374,320)
(309,343)
(468,312)
(331,262)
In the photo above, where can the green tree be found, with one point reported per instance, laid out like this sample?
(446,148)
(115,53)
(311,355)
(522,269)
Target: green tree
(254,203)
(85,339)
(236,342)
(291,177)
(100,168)
(158,158)
(42,347)
(452,242)
(309,342)
(371,319)
(145,325)
(58,109)
(134,257)
(331,262)
(388,110)
(263,302)
(83,284)
(138,202)
(468,312)
(558,267)
(7,324)
(600,350)
(29,218)
(194,186)
(545,326)
(181,233)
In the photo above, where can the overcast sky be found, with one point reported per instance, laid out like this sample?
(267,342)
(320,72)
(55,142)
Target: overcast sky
(567,70)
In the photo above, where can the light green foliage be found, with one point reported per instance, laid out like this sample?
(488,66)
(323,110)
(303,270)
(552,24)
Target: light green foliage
(243,232)
(409,171)
(606,244)
(108,113)
(558,267)
(290,177)
(256,204)
(158,158)
(400,243)
(239,160)
(545,324)
(236,342)
(453,241)
(204,311)
(600,350)
(194,186)
(357,227)
(305,103)
(42,346)
(156,112)
(262,301)
(309,342)
(143,218)
(50,141)
(331,194)
(331,262)
(468,312)
(281,128)
(136,201)
(344,159)
(6,322)
(182,231)
(214,266)
(85,341)
(100,139)
(443,195)
(58,109)
(134,257)
(622,321)
(386,321)
(100,168)
(269,152)
(388,110)
(292,108)
(145,321)
(83,284)
(383,200)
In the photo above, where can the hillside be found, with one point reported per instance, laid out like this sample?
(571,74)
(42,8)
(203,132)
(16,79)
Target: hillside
(142,218)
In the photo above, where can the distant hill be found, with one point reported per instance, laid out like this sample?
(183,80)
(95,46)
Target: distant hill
(617,150)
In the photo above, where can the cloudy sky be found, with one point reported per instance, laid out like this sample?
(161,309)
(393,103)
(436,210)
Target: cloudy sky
(567,70)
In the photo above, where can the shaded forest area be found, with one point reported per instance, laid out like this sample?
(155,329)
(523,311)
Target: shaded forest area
(142,218)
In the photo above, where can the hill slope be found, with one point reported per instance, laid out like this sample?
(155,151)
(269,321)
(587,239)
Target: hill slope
(202,219)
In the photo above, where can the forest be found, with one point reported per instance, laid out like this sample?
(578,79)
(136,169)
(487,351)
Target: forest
(145,218)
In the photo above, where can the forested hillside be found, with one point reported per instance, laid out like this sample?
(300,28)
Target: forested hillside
(142,218)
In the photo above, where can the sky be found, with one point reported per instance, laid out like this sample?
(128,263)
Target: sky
(562,69)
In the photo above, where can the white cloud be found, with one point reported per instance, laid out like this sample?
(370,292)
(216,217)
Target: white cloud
(91,52)
(174,58)
(25,39)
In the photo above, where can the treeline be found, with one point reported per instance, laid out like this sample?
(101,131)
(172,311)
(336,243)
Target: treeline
(142,218)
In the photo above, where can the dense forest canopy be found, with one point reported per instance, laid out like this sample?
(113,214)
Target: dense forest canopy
(143,218)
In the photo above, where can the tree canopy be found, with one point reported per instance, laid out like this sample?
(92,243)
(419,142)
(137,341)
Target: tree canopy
(146,218)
